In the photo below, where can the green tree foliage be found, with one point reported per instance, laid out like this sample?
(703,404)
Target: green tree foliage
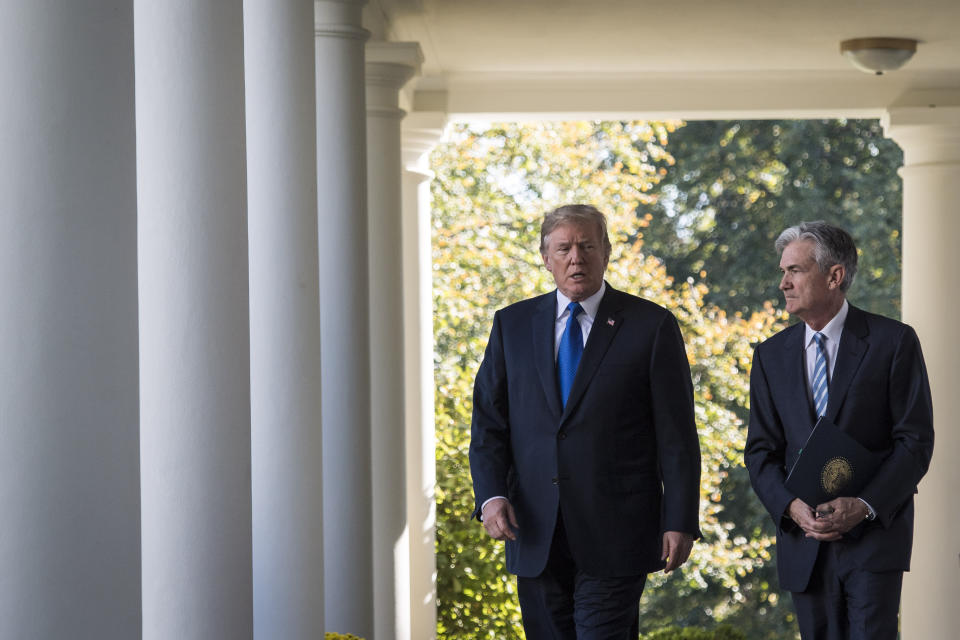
(736,185)
(492,187)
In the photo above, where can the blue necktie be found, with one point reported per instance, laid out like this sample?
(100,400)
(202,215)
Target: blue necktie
(571,347)
(820,394)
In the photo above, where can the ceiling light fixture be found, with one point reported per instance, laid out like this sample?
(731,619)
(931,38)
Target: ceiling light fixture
(878,55)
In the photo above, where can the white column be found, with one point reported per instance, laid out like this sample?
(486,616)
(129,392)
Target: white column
(69,479)
(194,320)
(284,320)
(344,317)
(421,132)
(388,68)
(930,139)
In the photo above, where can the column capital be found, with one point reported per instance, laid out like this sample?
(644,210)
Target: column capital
(389,66)
(421,132)
(339,19)
(405,54)
(926,125)
(392,64)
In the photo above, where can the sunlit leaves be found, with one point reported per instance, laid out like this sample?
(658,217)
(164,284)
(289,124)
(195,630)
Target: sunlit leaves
(737,184)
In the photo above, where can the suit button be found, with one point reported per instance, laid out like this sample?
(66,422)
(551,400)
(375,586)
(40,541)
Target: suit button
(562,435)
(555,481)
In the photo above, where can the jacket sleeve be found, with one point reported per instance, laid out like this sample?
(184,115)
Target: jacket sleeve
(765,451)
(678,447)
(490,451)
(911,413)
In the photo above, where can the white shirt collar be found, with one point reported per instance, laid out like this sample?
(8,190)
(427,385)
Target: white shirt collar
(590,305)
(832,330)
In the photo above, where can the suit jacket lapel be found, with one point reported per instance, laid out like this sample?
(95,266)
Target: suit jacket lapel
(543,326)
(850,352)
(605,327)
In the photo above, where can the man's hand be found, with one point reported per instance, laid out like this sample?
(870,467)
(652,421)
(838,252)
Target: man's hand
(841,514)
(676,549)
(814,527)
(499,520)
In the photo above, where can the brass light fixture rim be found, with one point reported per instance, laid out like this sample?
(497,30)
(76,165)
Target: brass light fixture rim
(858,44)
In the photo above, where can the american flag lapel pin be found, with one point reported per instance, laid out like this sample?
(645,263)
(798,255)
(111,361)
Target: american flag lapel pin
(611,321)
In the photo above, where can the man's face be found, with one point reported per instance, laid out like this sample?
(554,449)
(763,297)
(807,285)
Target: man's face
(575,256)
(809,293)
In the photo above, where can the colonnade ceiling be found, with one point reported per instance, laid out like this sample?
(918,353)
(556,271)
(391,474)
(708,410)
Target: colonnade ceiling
(689,58)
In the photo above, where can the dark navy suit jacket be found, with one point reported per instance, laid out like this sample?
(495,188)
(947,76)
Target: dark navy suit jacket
(622,460)
(880,395)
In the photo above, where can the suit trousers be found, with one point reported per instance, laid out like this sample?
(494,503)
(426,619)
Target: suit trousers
(844,602)
(564,603)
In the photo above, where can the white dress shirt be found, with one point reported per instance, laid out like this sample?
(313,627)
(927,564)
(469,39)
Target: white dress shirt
(590,306)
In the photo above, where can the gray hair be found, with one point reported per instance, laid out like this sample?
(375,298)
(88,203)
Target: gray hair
(831,245)
(578,214)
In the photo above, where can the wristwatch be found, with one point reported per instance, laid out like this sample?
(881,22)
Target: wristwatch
(871,514)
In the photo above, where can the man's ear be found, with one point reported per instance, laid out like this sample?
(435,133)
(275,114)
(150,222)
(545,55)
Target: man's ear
(835,276)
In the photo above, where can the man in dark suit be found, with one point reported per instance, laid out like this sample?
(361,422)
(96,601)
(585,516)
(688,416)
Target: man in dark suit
(843,560)
(584,450)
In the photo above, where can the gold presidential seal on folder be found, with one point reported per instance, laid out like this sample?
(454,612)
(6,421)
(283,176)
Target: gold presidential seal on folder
(836,475)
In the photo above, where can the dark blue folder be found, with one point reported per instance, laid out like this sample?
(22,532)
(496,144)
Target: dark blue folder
(831,464)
